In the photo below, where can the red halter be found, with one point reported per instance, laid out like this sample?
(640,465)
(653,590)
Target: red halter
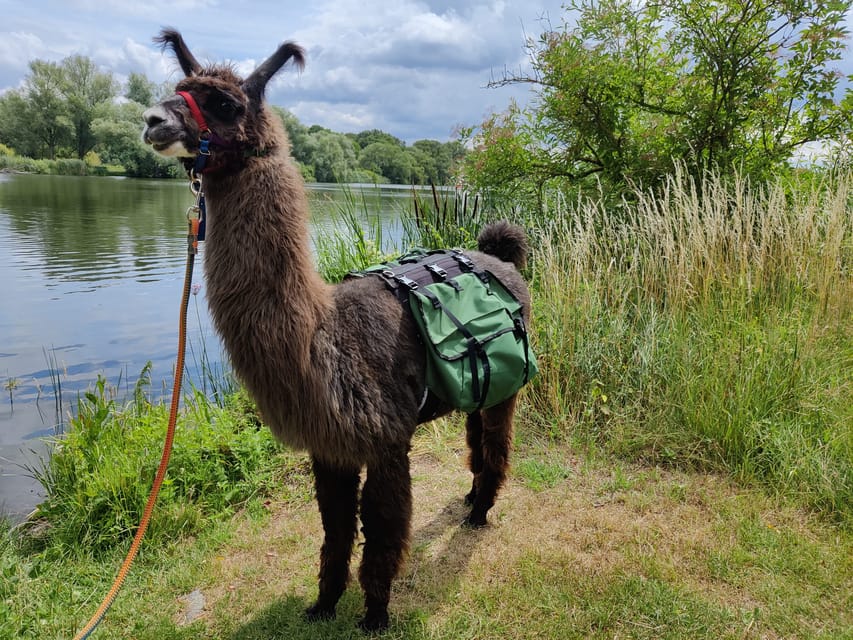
(195,111)
(207,139)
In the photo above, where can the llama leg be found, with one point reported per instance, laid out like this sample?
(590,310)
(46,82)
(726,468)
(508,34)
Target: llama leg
(386,513)
(337,497)
(496,441)
(474,438)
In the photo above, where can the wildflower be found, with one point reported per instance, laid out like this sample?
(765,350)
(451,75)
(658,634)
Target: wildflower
(196,289)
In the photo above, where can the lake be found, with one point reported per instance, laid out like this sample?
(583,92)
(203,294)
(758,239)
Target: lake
(91,275)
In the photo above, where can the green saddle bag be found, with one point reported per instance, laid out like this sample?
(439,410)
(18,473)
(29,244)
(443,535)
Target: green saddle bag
(477,347)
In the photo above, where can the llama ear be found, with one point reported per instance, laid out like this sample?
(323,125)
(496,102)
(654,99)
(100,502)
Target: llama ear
(171,39)
(255,84)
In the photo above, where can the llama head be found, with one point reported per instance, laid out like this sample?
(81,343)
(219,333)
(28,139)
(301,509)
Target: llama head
(230,107)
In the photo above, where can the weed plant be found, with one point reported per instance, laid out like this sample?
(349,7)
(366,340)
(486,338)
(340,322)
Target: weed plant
(59,167)
(444,219)
(354,240)
(100,471)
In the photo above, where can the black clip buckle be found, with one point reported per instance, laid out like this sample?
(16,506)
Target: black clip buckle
(407,282)
(464,261)
(437,271)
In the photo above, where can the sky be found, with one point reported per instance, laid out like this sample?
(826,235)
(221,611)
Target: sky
(415,69)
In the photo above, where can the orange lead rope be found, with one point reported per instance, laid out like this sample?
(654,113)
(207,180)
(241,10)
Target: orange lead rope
(167,445)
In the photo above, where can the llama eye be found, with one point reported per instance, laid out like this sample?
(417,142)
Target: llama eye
(224,109)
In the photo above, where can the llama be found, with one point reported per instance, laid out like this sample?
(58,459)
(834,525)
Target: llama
(336,370)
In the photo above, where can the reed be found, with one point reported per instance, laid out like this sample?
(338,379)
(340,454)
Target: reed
(707,325)
(444,218)
(354,239)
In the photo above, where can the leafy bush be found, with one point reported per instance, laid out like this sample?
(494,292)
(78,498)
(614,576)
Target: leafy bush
(68,167)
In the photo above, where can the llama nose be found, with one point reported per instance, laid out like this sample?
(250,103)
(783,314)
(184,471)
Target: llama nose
(154,116)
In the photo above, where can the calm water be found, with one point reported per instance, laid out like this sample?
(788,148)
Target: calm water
(91,274)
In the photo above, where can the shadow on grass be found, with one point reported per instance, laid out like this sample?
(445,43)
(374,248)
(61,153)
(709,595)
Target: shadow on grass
(430,578)
(285,619)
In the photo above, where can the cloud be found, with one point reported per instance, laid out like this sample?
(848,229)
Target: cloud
(415,69)
(148,9)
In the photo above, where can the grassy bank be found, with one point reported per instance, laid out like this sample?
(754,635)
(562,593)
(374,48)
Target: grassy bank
(579,547)
(683,464)
(708,327)
(57,167)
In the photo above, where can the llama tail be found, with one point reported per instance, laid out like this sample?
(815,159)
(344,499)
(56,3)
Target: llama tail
(505,241)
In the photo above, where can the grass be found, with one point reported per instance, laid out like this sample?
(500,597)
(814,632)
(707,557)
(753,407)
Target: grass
(354,241)
(99,473)
(645,552)
(683,464)
(707,327)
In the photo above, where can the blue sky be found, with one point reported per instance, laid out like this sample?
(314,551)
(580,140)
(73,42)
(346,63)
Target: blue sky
(416,69)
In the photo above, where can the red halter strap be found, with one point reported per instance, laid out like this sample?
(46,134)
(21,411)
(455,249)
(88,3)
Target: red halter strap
(195,111)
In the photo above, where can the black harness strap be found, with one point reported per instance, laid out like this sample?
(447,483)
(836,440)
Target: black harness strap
(419,270)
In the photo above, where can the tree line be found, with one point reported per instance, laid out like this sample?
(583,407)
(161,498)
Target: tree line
(72,109)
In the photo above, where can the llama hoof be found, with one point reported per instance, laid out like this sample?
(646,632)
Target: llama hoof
(316,613)
(475,521)
(374,622)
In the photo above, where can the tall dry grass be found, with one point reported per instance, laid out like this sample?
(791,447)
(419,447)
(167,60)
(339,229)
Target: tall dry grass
(705,325)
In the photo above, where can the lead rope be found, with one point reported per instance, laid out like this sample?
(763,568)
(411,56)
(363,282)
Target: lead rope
(195,219)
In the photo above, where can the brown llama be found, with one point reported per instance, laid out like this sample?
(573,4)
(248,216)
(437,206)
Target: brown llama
(335,370)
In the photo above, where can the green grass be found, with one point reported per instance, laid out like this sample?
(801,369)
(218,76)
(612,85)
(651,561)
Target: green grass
(60,166)
(100,471)
(354,241)
(706,328)
(614,551)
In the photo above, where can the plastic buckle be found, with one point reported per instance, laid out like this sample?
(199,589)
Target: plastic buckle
(407,282)
(464,261)
(437,271)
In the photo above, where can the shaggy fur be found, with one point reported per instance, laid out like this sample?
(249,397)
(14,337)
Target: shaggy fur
(336,370)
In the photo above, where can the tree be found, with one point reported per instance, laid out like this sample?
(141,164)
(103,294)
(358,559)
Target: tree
(427,164)
(632,88)
(392,161)
(443,158)
(331,155)
(85,90)
(140,89)
(365,138)
(34,120)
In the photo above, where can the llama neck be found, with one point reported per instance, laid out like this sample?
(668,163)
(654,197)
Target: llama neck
(265,296)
